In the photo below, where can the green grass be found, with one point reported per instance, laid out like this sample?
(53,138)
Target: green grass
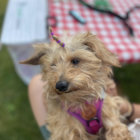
(128,80)
(16,119)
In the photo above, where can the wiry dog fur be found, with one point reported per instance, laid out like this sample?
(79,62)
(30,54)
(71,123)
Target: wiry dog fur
(86,81)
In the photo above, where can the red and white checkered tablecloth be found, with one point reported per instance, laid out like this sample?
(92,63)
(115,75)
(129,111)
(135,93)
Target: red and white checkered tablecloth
(109,29)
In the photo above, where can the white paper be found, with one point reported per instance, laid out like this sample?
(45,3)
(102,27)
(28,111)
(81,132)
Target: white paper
(25,22)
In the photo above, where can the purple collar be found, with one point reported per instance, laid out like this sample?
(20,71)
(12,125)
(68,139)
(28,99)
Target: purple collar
(93,125)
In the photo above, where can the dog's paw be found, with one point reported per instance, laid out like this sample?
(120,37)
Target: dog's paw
(118,133)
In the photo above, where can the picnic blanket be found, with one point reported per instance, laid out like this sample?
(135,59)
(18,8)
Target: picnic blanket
(109,29)
(29,21)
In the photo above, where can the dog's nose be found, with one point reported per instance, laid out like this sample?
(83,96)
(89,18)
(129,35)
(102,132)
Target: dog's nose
(62,85)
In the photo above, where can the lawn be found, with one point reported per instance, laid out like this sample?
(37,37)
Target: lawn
(16,119)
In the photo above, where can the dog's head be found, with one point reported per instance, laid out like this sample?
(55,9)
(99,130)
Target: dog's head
(77,71)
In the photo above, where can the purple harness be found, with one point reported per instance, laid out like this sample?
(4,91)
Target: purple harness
(93,125)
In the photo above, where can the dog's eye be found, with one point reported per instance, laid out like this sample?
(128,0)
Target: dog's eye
(53,65)
(75,61)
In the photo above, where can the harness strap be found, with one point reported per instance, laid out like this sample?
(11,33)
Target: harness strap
(93,125)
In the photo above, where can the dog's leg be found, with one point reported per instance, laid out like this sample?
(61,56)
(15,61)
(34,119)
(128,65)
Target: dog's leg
(115,129)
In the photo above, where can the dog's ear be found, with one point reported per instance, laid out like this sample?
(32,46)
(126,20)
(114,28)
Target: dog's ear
(40,51)
(95,45)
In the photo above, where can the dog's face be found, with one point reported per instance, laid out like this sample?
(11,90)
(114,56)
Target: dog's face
(78,70)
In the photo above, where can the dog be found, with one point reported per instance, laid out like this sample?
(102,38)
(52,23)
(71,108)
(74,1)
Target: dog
(75,74)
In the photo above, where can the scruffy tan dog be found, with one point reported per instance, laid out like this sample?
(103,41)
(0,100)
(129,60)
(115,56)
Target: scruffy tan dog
(75,74)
